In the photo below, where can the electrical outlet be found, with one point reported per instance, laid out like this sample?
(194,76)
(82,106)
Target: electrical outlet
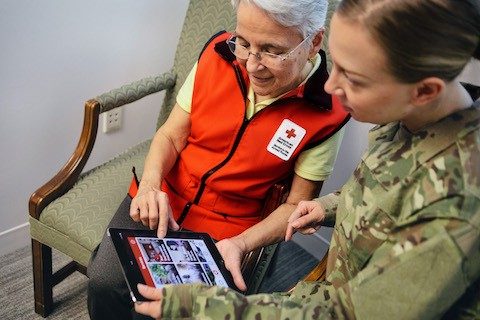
(112,120)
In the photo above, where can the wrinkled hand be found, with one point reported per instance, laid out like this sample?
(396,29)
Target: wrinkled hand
(306,218)
(150,308)
(152,208)
(233,250)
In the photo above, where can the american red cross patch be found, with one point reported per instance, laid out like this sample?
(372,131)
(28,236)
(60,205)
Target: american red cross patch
(286,139)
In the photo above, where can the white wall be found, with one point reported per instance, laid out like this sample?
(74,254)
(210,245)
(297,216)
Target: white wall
(54,56)
(471,73)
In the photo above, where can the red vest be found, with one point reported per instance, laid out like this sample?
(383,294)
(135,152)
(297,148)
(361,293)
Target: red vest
(219,182)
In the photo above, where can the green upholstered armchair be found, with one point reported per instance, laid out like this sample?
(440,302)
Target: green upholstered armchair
(71,211)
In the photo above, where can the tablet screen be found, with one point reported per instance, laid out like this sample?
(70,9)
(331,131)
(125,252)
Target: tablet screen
(179,258)
(175,261)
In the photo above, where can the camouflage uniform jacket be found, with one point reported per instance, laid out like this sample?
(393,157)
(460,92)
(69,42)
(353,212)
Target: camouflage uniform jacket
(406,243)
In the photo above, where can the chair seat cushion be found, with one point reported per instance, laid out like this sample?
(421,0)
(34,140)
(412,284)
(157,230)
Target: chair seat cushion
(75,222)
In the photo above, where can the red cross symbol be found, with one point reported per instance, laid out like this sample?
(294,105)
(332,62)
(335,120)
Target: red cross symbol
(290,133)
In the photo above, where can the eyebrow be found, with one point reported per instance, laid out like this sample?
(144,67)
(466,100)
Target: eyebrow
(356,74)
(351,72)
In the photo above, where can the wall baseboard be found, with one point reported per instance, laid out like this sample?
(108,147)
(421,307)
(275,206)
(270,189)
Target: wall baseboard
(14,238)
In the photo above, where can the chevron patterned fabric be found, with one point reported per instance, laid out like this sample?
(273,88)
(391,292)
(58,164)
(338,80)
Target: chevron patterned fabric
(204,18)
(135,91)
(75,222)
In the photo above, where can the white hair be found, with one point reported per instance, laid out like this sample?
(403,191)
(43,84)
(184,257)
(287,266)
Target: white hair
(307,16)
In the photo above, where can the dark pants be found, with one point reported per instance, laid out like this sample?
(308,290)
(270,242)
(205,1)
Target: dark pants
(108,294)
(109,297)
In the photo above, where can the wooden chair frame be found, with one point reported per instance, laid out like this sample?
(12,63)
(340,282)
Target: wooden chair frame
(43,278)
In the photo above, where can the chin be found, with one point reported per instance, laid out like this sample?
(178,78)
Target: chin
(264,87)
(367,120)
(359,118)
(261,91)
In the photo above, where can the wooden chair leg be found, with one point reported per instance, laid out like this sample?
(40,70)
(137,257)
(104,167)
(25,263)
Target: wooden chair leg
(42,278)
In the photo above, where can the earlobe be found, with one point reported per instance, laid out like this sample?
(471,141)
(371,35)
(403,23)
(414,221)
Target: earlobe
(428,90)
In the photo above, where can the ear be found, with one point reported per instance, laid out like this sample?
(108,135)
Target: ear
(427,90)
(316,43)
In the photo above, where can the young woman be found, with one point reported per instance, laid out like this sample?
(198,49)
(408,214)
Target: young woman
(406,242)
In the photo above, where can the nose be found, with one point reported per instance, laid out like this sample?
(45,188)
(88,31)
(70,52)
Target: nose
(253,62)
(332,85)
(329,84)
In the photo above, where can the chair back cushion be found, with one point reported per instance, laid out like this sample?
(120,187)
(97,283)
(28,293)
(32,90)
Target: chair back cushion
(204,18)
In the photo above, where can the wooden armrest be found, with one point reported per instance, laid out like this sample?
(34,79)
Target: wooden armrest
(276,195)
(68,175)
(255,266)
(70,172)
(319,272)
(250,261)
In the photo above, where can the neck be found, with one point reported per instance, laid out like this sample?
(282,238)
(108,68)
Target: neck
(453,99)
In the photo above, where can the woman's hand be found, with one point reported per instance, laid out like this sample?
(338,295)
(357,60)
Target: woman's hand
(152,208)
(150,308)
(233,251)
(306,218)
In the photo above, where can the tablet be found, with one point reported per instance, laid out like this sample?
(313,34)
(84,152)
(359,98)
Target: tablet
(180,257)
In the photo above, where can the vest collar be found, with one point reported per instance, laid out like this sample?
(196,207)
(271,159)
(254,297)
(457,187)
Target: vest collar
(311,91)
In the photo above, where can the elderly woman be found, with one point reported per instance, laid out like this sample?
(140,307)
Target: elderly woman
(406,243)
(251,113)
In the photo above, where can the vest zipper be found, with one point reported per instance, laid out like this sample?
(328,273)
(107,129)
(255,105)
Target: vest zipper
(204,178)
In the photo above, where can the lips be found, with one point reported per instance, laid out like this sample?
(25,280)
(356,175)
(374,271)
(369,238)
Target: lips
(345,105)
(259,80)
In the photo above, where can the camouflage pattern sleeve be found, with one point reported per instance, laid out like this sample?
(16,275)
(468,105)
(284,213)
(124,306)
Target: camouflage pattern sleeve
(329,203)
(422,271)
(418,274)
(204,302)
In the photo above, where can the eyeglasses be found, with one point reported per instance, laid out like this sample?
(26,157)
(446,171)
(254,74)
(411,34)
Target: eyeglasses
(269,60)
